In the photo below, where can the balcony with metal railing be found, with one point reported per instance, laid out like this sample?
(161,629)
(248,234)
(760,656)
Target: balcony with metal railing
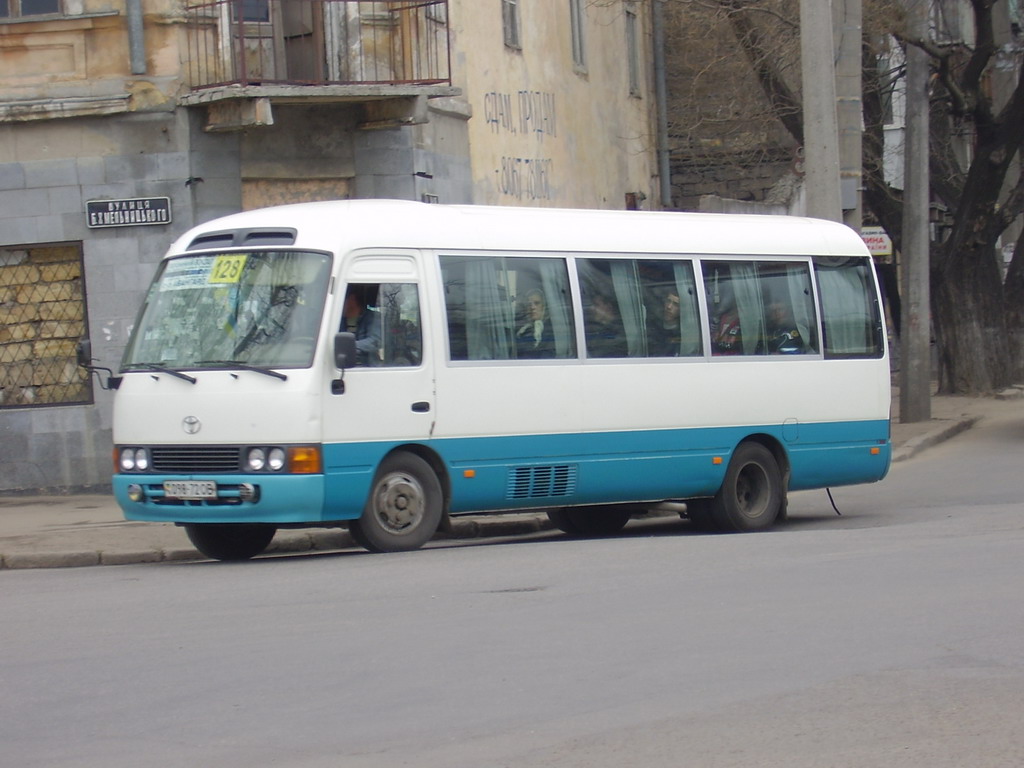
(317,50)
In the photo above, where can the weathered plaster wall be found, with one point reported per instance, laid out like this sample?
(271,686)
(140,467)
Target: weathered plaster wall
(543,131)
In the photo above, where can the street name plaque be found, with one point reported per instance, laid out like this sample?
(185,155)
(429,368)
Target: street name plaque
(133,212)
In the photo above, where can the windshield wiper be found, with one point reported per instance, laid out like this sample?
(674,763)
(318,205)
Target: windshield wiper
(246,367)
(162,369)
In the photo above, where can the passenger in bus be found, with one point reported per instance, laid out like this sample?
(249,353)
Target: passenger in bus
(534,339)
(783,336)
(361,320)
(606,335)
(664,333)
(726,336)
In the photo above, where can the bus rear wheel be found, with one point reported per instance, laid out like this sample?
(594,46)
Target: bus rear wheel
(404,509)
(589,521)
(230,541)
(751,496)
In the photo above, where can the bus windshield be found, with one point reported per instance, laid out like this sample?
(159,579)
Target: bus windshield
(233,309)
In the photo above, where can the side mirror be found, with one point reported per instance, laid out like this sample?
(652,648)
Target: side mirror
(344,350)
(344,356)
(83,356)
(84,353)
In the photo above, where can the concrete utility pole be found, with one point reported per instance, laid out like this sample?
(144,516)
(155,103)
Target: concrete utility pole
(847,16)
(661,101)
(915,351)
(821,144)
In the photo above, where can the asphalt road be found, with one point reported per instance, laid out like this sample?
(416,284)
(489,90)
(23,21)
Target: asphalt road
(890,636)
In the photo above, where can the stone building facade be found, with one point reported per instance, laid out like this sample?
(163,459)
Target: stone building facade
(125,122)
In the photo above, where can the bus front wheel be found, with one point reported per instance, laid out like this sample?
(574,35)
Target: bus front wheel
(230,541)
(404,508)
(751,495)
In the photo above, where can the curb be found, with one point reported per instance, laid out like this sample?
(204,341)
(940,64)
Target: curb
(938,435)
(284,542)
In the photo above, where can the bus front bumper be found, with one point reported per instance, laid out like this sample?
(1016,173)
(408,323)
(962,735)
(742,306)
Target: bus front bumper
(274,499)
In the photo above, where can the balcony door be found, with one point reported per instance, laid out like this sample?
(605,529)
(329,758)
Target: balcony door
(276,41)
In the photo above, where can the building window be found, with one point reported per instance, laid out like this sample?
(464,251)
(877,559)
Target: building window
(42,317)
(438,11)
(11,9)
(633,52)
(510,23)
(253,10)
(20,8)
(577,17)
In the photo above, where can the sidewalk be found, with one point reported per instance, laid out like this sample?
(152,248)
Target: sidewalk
(79,530)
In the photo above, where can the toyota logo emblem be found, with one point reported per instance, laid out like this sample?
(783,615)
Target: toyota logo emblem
(191,425)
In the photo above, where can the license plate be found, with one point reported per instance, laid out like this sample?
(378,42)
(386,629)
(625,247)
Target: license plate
(191,489)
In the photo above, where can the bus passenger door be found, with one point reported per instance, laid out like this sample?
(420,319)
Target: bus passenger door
(387,397)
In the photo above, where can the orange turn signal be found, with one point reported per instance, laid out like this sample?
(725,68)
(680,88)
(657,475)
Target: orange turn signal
(304,460)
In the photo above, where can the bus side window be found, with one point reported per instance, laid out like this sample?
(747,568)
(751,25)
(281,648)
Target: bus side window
(610,331)
(385,318)
(401,334)
(734,307)
(760,308)
(507,308)
(790,326)
(672,314)
(477,307)
(850,314)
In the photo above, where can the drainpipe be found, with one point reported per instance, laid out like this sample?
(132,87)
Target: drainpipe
(661,102)
(136,37)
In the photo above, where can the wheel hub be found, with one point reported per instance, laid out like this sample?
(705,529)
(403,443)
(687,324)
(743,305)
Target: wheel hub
(400,502)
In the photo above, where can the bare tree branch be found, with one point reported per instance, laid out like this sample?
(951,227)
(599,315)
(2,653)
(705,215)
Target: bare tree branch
(784,101)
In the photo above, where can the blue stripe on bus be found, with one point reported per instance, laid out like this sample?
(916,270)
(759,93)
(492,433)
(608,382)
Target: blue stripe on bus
(524,471)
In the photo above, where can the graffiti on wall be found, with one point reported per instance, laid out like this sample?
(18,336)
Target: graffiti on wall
(526,178)
(523,115)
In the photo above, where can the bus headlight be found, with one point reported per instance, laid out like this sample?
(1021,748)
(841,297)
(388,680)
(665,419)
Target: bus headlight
(276,459)
(257,459)
(134,460)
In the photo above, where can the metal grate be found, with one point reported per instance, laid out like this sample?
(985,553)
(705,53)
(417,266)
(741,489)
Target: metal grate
(42,317)
(549,481)
(186,459)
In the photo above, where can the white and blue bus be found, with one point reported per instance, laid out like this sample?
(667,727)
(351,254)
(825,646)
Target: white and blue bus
(380,365)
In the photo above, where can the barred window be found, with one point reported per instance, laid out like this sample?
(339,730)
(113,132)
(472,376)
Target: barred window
(42,317)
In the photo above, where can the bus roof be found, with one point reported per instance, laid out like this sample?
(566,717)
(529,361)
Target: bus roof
(348,224)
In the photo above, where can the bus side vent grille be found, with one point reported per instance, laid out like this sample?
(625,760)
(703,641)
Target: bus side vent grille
(180,459)
(542,482)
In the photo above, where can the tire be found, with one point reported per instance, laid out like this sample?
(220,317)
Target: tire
(751,496)
(230,541)
(589,521)
(404,508)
